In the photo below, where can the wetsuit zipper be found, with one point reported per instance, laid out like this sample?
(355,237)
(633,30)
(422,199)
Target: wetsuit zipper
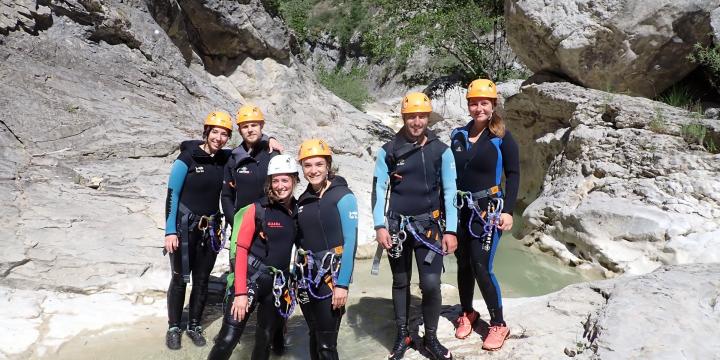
(427,187)
(327,246)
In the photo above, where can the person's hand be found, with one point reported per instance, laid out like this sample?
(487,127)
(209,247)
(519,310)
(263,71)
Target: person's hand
(382,236)
(273,144)
(339,297)
(506,222)
(449,243)
(239,307)
(171,243)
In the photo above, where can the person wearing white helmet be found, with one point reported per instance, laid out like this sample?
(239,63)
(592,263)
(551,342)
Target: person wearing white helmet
(260,250)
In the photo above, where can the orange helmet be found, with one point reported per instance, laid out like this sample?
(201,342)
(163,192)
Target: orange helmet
(247,113)
(482,88)
(313,147)
(219,118)
(416,102)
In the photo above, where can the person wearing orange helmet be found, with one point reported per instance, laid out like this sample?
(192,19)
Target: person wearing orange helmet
(245,173)
(484,151)
(327,224)
(192,224)
(414,184)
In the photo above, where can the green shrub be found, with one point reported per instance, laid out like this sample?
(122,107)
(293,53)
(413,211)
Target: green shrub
(698,134)
(347,85)
(678,96)
(658,123)
(709,59)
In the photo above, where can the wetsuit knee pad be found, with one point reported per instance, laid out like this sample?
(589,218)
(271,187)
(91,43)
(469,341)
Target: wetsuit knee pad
(429,283)
(400,280)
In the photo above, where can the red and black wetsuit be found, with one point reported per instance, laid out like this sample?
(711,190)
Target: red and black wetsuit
(257,241)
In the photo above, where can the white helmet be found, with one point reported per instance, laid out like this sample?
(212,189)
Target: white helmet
(282,164)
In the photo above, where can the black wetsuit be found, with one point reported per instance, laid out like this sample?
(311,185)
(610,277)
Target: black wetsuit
(326,223)
(194,185)
(254,245)
(244,178)
(480,166)
(418,177)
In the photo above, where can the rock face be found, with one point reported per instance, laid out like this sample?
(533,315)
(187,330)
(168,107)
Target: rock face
(617,45)
(669,314)
(97,97)
(615,180)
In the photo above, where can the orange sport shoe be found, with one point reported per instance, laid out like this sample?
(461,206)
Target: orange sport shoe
(496,337)
(465,324)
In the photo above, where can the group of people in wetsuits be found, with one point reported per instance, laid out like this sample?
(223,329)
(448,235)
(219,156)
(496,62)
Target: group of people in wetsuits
(429,200)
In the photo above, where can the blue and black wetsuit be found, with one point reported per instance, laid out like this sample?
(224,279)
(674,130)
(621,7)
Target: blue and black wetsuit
(481,166)
(244,177)
(421,180)
(263,236)
(193,191)
(327,224)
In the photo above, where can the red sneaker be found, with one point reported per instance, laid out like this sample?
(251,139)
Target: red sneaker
(496,337)
(465,324)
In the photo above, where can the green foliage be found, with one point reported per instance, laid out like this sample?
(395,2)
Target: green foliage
(471,32)
(309,19)
(658,124)
(347,85)
(709,58)
(698,134)
(465,38)
(677,96)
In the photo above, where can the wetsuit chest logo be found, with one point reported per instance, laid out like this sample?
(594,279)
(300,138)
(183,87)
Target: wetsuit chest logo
(243,170)
(274,224)
(401,162)
(199,169)
(300,209)
(353,215)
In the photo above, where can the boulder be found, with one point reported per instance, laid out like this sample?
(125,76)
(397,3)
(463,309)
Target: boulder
(615,180)
(630,46)
(668,314)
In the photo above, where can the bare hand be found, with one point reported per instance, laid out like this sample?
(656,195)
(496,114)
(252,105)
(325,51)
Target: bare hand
(273,144)
(339,297)
(382,236)
(240,307)
(171,243)
(449,243)
(506,222)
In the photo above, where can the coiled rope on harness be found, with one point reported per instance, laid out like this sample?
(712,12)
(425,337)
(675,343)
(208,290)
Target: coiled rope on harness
(327,269)
(282,289)
(490,219)
(218,237)
(406,222)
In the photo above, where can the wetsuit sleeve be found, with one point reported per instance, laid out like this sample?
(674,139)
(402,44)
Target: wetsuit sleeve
(511,166)
(245,218)
(379,190)
(175,184)
(347,207)
(227,195)
(449,175)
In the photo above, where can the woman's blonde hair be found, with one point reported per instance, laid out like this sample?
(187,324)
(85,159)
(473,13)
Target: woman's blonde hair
(497,124)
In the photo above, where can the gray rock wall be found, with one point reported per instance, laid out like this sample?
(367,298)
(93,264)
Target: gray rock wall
(613,45)
(612,180)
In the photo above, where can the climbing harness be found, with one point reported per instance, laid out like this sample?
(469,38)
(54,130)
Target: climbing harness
(315,268)
(490,218)
(211,228)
